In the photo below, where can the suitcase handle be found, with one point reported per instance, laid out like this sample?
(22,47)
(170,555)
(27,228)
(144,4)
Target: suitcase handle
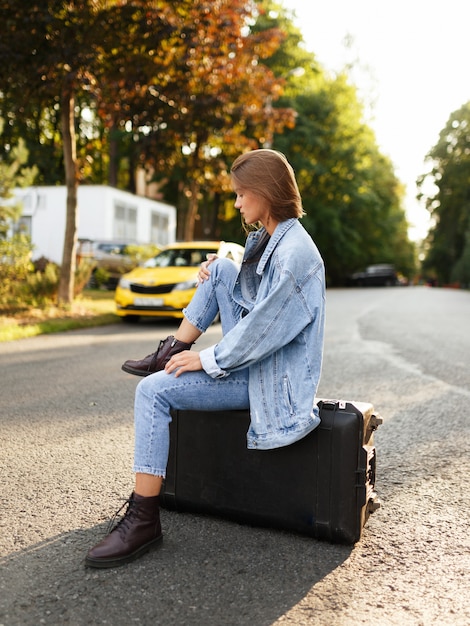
(331,405)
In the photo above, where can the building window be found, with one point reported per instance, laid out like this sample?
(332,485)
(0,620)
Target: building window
(159,229)
(125,222)
(32,201)
(24,225)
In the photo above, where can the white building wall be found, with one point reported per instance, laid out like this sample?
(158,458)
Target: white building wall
(94,211)
(99,207)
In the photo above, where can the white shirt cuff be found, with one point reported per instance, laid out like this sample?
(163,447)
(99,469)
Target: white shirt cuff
(209,364)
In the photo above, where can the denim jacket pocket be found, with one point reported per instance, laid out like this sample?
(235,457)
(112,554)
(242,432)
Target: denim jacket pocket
(288,395)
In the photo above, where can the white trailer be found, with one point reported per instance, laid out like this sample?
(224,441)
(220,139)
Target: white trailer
(104,213)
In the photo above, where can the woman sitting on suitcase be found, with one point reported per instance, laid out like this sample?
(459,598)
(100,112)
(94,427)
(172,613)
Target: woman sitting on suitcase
(269,359)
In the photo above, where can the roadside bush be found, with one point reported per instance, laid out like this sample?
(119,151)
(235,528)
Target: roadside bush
(15,266)
(83,275)
(41,264)
(142,252)
(461,270)
(40,287)
(25,284)
(100,278)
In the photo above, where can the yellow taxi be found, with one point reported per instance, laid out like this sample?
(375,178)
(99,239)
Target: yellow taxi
(165,284)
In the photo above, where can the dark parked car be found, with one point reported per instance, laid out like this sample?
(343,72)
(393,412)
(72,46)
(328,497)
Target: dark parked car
(381,275)
(109,256)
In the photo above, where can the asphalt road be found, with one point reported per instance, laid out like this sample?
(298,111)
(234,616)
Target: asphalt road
(66,451)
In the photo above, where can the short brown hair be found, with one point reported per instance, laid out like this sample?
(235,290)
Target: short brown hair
(269,174)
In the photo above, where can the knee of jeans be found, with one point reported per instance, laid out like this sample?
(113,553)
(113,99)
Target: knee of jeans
(224,265)
(142,388)
(146,385)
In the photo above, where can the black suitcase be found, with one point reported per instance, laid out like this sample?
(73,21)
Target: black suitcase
(322,485)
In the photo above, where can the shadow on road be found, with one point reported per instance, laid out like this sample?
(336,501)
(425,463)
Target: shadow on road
(208,572)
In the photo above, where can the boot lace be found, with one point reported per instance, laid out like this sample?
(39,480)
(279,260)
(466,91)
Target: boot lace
(154,354)
(123,523)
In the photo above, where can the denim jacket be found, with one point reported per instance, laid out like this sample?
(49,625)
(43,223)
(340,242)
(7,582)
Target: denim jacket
(281,286)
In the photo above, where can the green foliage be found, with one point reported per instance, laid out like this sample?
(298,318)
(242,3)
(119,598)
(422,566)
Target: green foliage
(12,174)
(142,252)
(448,239)
(83,274)
(461,270)
(291,54)
(352,199)
(350,194)
(39,128)
(16,250)
(15,265)
(100,277)
(179,91)
(24,284)
(40,288)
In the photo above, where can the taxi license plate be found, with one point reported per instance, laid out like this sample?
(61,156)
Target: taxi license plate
(148,301)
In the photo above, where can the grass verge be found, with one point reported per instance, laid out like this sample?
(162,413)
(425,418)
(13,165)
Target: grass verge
(92,308)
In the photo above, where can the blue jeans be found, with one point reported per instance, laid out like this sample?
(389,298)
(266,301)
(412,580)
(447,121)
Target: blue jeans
(157,394)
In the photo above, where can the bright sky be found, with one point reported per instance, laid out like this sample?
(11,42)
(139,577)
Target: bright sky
(414,57)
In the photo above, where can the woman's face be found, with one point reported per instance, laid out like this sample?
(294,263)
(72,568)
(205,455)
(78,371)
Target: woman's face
(253,207)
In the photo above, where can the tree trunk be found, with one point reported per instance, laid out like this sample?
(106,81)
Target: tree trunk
(113,137)
(192,212)
(67,271)
(215,217)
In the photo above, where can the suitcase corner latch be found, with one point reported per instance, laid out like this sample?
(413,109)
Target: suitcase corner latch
(375,421)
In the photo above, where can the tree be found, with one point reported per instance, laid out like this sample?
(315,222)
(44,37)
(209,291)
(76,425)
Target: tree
(44,54)
(51,54)
(448,239)
(15,246)
(181,90)
(13,173)
(161,72)
(351,195)
(211,105)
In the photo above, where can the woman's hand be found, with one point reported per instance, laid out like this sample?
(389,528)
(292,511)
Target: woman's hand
(204,273)
(185,361)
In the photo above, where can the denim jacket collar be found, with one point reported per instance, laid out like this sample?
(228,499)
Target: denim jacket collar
(259,235)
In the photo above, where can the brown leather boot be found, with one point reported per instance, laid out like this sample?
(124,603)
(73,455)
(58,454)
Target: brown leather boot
(156,361)
(135,534)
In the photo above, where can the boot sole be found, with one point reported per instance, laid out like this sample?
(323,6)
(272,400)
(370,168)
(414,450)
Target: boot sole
(105,563)
(131,370)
